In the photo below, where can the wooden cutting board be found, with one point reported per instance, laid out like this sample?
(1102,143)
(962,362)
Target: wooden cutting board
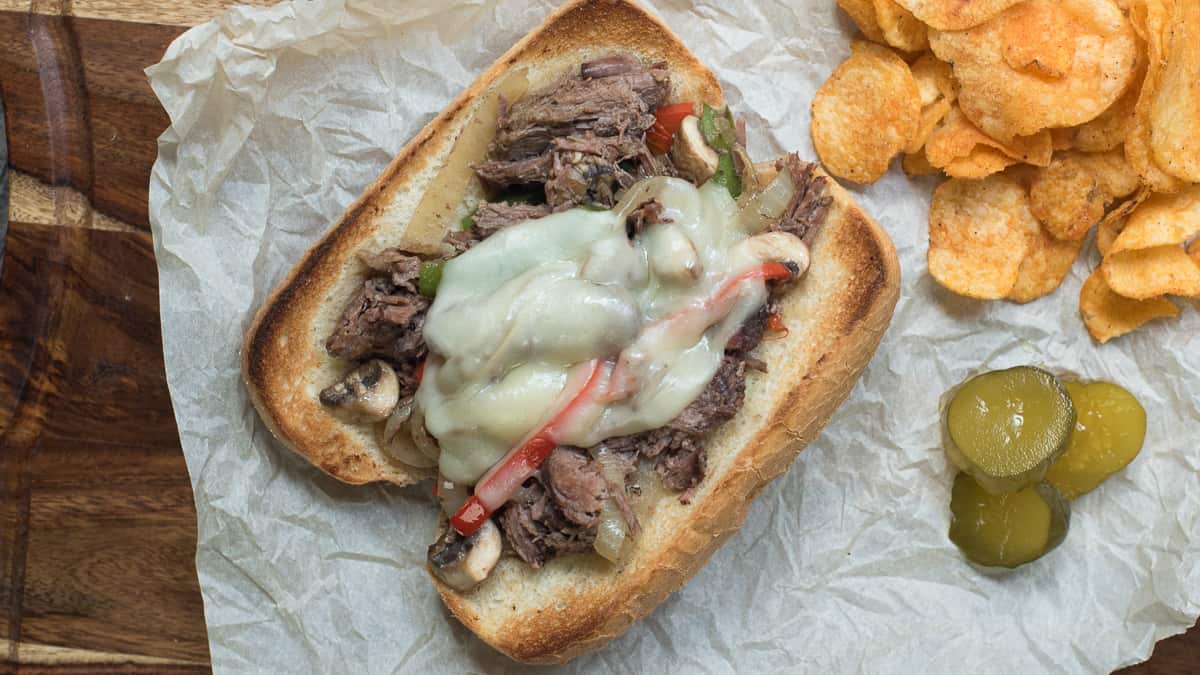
(97,524)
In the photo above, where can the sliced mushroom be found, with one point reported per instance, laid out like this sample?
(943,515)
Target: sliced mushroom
(775,247)
(673,255)
(370,391)
(464,562)
(692,156)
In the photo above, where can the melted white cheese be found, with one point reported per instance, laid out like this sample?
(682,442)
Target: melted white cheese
(516,312)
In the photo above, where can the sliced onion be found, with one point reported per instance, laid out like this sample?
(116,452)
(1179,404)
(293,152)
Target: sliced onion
(398,444)
(420,435)
(611,533)
(765,208)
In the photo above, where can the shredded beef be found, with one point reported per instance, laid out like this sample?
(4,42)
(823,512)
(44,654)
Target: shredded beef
(751,333)
(809,206)
(491,218)
(535,524)
(584,139)
(718,403)
(382,320)
(647,213)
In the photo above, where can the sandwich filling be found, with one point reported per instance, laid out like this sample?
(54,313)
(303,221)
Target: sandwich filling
(565,341)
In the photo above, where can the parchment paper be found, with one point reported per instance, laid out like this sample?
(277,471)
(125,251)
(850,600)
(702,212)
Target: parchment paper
(281,116)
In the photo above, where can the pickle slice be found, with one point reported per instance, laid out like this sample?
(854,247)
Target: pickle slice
(1006,530)
(1007,427)
(1109,432)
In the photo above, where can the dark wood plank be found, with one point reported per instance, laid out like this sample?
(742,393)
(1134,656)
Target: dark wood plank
(1179,655)
(80,110)
(104,560)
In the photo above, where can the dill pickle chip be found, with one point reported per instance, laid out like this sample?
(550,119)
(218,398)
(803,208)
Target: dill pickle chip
(1006,530)
(1007,427)
(1108,434)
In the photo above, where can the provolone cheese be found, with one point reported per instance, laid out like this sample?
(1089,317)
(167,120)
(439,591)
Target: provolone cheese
(516,312)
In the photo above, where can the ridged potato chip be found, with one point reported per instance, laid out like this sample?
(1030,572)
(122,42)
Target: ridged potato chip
(1151,272)
(1162,220)
(979,234)
(1062,138)
(865,113)
(956,14)
(1047,263)
(1175,111)
(1108,315)
(1151,19)
(1005,102)
(862,13)
(900,28)
(957,138)
(1193,251)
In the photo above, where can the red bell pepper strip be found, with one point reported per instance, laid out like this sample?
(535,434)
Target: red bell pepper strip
(504,479)
(666,122)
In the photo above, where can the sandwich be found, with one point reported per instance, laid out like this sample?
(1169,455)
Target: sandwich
(577,308)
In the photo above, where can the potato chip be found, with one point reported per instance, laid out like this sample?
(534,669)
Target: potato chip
(1034,42)
(956,137)
(1162,220)
(955,14)
(1193,251)
(1067,198)
(1114,222)
(1107,232)
(1045,266)
(1151,19)
(981,163)
(900,28)
(865,113)
(934,79)
(1108,131)
(1151,272)
(916,164)
(1175,110)
(862,13)
(1108,315)
(1005,102)
(931,116)
(1112,172)
(1063,138)
(979,233)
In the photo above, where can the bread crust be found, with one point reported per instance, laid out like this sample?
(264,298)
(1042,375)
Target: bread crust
(836,315)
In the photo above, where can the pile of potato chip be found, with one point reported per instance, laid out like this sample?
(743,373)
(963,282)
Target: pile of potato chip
(1051,118)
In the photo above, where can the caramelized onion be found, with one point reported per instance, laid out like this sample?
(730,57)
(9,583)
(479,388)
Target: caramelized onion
(764,208)
(611,532)
(421,437)
(397,443)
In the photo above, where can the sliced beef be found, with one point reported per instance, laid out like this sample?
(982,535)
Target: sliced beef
(751,333)
(401,267)
(575,483)
(718,403)
(809,206)
(557,510)
(382,320)
(584,139)
(491,218)
(682,467)
(505,172)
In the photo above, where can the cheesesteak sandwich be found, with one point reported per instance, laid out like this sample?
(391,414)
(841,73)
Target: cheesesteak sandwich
(575,304)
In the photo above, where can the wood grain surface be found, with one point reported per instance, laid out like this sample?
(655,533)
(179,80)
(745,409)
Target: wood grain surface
(97,524)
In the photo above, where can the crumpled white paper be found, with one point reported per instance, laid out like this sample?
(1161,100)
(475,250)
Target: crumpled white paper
(282,116)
